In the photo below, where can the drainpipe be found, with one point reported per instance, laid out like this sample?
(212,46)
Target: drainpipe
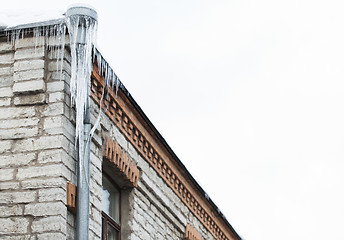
(83,166)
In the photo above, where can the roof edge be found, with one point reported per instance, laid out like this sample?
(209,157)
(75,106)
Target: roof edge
(172,153)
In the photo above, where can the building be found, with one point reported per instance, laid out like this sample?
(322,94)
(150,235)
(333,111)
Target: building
(56,182)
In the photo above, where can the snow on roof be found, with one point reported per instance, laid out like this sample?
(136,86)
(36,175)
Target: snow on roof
(12,19)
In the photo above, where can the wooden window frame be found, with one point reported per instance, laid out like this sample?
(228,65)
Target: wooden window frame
(106,219)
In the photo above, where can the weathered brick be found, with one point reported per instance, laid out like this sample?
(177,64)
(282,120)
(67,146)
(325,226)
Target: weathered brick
(17,197)
(96,161)
(96,228)
(120,138)
(12,160)
(96,174)
(14,225)
(95,189)
(96,139)
(9,185)
(15,133)
(132,152)
(48,224)
(71,232)
(5,146)
(50,156)
(54,109)
(155,189)
(29,42)
(6,92)
(37,183)
(15,123)
(51,236)
(39,171)
(70,149)
(6,71)
(55,86)
(6,81)
(67,173)
(6,211)
(29,99)
(44,142)
(54,42)
(28,75)
(56,97)
(52,66)
(46,209)
(28,65)
(52,194)
(6,58)
(96,215)
(29,53)
(53,123)
(5,46)
(19,237)
(58,75)
(16,112)
(96,202)
(69,129)
(29,86)
(5,102)
(6,174)
(70,219)
(92,235)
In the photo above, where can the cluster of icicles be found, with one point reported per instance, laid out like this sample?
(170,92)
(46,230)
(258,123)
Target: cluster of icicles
(82,55)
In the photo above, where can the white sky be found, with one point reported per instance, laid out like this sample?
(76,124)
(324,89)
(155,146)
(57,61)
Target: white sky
(250,96)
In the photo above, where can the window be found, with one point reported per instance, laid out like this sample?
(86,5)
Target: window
(111,215)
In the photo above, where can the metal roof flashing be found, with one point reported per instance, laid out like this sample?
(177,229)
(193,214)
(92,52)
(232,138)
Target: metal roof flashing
(35,24)
(79,9)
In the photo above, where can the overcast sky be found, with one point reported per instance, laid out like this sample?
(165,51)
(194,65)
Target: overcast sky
(249,95)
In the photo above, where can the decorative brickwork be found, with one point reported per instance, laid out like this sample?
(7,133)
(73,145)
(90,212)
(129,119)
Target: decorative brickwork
(38,158)
(191,233)
(122,162)
(120,111)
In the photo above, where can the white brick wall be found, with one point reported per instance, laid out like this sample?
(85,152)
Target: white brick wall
(35,161)
(38,157)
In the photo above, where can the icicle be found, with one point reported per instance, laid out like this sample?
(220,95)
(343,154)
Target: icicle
(110,77)
(81,61)
(82,33)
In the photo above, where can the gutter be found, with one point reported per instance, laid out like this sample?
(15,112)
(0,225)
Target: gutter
(83,166)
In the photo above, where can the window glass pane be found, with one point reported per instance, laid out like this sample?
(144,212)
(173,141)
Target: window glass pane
(110,200)
(112,234)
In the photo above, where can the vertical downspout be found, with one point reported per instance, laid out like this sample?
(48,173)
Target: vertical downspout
(83,165)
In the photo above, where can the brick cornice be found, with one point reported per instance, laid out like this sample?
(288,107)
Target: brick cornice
(122,162)
(124,115)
